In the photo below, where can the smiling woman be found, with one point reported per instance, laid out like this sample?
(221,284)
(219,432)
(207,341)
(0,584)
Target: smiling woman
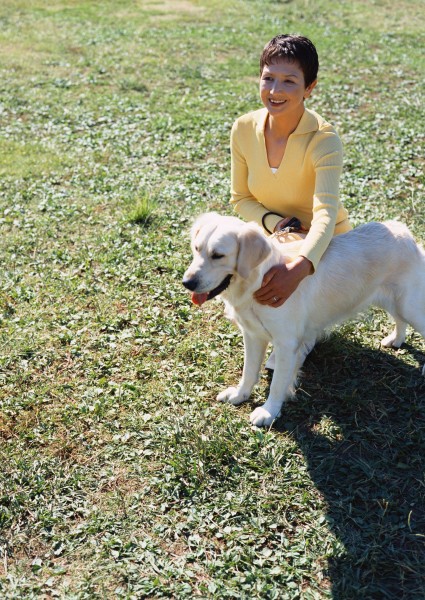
(286,162)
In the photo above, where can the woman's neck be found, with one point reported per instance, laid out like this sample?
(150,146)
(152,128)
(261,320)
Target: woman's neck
(281,128)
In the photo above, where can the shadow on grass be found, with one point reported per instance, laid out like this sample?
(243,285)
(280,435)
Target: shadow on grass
(359,418)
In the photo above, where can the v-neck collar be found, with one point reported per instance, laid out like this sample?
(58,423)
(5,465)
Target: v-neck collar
(307,124)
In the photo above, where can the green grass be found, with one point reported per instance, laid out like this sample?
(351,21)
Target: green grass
(122,477)
(143,210)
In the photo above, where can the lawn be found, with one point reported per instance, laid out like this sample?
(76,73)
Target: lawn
(121,476)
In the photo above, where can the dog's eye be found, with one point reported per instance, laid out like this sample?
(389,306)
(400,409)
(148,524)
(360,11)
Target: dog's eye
(216,255)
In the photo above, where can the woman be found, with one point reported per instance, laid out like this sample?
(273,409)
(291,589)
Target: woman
(286,162)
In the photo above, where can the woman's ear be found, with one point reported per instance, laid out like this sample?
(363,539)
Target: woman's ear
(309,89)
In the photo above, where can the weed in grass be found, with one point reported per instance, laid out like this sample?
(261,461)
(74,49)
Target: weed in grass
(143,211)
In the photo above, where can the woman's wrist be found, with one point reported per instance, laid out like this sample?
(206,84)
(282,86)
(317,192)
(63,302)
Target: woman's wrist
(302,265)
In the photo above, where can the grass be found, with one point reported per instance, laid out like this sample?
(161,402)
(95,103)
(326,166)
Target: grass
(121,475)
(142,211)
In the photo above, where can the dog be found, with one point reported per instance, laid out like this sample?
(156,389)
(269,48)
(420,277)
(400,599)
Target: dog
(374,264)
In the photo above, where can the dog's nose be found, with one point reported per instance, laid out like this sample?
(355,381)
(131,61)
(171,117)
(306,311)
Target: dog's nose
(190,284)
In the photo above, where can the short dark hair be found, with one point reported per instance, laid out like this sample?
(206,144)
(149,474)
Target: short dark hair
(293,48)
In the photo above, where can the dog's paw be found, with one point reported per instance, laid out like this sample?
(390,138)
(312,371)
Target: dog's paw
(261,417)
(232,396)
(392,341)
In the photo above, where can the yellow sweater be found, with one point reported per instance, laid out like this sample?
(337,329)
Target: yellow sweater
(306,184)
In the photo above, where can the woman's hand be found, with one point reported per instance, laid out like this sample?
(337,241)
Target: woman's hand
(282,280)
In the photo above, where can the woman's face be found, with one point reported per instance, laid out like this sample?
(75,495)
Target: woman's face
(282,88)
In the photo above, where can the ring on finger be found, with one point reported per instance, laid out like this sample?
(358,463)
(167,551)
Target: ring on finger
(275,298)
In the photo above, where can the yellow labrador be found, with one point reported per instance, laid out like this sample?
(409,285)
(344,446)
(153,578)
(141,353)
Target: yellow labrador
(377,263)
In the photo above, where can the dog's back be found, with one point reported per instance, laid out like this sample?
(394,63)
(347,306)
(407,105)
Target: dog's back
(375,264)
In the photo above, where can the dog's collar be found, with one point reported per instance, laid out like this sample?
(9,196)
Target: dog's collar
(220,288)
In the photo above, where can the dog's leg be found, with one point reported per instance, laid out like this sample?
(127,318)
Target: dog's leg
(271,361)
(254,350)
(288,360)
(411,317)
(417,321)
(304,351)
(397,337)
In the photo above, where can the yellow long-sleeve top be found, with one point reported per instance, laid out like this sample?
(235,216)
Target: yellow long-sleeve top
(306,184)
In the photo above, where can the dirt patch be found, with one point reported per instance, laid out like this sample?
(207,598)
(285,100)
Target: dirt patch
(174,6)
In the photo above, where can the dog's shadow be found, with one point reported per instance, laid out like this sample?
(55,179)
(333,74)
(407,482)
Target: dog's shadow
(359,418)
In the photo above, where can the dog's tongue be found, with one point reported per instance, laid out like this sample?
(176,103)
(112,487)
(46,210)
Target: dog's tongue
(199,299)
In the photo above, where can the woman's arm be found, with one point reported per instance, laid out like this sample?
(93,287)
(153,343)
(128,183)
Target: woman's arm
(327,162)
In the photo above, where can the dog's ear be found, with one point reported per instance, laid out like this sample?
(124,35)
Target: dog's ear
(253,249)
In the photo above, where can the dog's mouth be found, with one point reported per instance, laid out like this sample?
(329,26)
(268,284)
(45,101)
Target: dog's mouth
(199,299)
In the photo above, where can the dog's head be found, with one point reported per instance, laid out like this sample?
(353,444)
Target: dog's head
(222,247)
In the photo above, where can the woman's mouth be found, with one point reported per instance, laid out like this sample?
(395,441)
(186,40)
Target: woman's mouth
(274,102)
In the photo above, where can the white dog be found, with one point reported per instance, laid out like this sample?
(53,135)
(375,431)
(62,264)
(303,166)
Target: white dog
(377,263)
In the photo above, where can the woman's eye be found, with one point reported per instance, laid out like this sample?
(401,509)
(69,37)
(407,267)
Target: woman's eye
(216,256)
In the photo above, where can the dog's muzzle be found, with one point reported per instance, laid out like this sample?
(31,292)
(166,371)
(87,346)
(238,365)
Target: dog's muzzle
(199,299)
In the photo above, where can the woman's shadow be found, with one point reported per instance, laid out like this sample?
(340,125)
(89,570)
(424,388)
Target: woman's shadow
(359,418)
